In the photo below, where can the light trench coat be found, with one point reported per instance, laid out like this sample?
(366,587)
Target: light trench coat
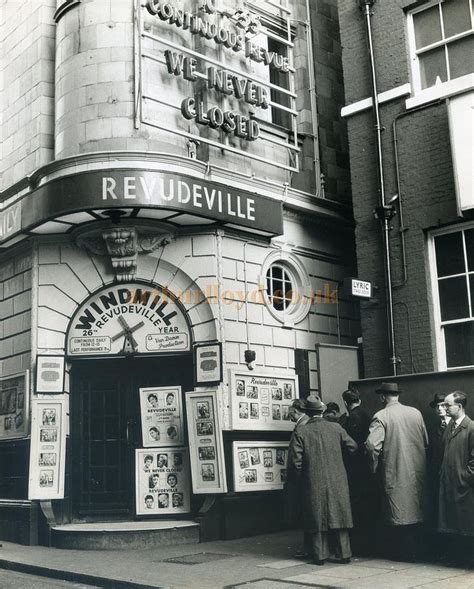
(396,446)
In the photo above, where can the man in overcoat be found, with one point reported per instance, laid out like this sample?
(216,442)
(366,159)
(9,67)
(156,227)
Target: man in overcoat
(456,497)
(396,446)
(315,455)
(293,489)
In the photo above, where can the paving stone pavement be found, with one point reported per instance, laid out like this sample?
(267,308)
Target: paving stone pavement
(261,562)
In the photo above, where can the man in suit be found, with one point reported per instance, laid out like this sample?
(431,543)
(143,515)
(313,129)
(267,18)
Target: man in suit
(361,487)
(315,456)
(456,496)
(396,445)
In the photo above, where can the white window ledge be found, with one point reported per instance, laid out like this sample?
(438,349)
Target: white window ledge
(443,90)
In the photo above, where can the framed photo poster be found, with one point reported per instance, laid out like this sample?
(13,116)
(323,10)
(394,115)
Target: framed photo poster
(50,374)
(162,481)
(48,449)
(14,406)
(207,364)
(205,443)
(261,401)
(161,416)
(259,466)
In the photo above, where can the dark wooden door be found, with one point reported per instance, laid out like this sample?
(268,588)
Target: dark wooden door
(105,428)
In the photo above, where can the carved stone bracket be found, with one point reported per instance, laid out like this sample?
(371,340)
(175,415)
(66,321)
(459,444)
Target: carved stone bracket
(121,244)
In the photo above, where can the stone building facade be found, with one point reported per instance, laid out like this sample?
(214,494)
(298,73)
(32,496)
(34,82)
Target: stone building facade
(175,223)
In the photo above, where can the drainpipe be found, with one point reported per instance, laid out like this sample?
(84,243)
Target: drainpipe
(385,211)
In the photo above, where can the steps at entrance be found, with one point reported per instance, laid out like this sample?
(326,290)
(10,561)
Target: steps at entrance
(118,535)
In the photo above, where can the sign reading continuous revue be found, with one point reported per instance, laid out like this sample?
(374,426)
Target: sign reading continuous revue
(127,319)
(142,189)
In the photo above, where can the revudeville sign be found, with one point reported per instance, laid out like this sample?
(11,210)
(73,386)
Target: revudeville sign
(142,189)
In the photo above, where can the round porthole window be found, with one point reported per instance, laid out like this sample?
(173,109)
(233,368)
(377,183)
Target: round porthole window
(286,288)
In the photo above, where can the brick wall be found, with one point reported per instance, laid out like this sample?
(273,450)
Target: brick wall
(426,189)
(27,34)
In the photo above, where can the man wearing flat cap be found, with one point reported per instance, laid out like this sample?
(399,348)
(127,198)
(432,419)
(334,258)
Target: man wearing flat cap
(315,455)
(396,446)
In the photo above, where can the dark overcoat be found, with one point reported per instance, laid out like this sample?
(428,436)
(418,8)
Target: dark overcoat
(293,492)
(316,456)
(456,494)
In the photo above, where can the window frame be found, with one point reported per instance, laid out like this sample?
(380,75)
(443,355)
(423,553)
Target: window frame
(440,342)
(296,311)
(452,86)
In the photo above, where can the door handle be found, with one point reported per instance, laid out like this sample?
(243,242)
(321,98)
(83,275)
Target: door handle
(129,432)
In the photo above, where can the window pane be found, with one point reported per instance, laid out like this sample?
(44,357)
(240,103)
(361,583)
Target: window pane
(469,235)
(456,17)
(461,57)
(277,272)
(459,339)
(453,298)
(427,27)
(433,67)
(449,254)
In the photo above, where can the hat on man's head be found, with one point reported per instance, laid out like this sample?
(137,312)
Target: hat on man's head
(438,398)
(388,388)
(314,404)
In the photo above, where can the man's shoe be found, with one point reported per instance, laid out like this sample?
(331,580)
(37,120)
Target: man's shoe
(319,562)
(340,560)
(302,555)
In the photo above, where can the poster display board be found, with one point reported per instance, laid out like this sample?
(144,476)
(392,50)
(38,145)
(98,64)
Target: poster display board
(261,401)
(14,406)
(50,375)
(207,364)
(162,481)
(205,443)
(259,466)
(161,416)
(48,449)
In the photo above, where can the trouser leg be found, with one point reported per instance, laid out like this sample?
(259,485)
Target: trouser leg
(320,541)
(342,543)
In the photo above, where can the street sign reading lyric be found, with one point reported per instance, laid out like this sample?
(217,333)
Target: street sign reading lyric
(259,466)
(162,483)
(48,449)
(14,406)
(162,416)
(262,401)
(129,319)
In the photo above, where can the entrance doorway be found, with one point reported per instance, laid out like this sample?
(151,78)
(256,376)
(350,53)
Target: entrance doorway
(106,428)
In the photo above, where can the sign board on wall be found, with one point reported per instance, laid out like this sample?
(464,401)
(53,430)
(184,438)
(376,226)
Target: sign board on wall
(14,406)
(162,481)
(161,416)
(205,443)
(207,364)
(48,449)
(262,401)
(50,374)
(128,318)
(259,466)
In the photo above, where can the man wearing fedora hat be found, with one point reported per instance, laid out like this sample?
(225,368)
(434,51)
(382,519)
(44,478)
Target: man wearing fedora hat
(315,455)
(396,446)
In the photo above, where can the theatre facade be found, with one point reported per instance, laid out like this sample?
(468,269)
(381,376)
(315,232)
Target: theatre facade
(175,223)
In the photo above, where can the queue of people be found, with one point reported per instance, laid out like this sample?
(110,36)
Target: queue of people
(348,471)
